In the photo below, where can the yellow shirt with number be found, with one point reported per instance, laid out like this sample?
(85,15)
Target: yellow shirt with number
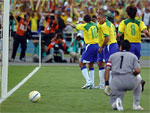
(100,35)
(89,32)
(132,30)
(109,30)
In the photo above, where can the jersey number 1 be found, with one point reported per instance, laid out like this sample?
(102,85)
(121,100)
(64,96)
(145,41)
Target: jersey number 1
(121,62)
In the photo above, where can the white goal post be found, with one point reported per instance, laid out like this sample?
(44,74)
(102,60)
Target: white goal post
(5,49)
(5,54)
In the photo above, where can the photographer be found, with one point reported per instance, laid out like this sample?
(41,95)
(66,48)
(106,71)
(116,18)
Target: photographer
(75,47)
(50,28)
(44,50)
(58,46)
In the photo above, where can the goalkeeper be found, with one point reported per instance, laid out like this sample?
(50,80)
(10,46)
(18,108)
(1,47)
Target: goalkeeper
(125,68)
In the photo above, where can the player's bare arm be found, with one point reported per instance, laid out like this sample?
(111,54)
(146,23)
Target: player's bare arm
(136,71)
(145,31)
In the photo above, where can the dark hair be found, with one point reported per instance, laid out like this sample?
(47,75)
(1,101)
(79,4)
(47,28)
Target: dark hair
(46,18)
(117,13)
(59,36)
(125,45)
(94,16)
(87,18)
(131,11)
(52,17)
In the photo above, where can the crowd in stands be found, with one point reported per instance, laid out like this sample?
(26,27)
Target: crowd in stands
(51,17)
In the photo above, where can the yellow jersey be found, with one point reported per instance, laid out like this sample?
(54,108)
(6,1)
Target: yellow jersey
(34,25)
(132,30)
(89,32)
(109,30)
(100,35)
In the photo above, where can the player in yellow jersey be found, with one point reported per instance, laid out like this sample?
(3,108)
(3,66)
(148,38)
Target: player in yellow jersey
(100,59)
(89,55)
(109,45)
(132,28)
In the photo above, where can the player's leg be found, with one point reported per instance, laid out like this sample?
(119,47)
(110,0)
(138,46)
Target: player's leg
(116,98)
(135,49)
(89,56)
(84,68)
(117,93)
(137,95)
(109,50)
(85,75)
(91,73)
(101,75)
(100,62)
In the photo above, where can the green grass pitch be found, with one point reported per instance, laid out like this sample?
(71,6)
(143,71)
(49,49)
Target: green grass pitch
(60,88)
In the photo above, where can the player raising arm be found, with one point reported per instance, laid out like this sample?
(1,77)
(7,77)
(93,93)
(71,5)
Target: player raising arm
(89,55)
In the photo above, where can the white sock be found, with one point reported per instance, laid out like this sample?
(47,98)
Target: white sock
(85,74)
(91,73)
(101,76)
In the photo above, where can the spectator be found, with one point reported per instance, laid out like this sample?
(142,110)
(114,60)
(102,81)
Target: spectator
(58,46)
(69,28)
(64,17)
(117,19)
(34,25)
(75,48)
(61,24)
(19,38)
(146,17)
(12,34)
(44,50)
(50,28)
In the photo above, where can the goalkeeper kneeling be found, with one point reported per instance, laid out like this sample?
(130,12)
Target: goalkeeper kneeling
(125,68)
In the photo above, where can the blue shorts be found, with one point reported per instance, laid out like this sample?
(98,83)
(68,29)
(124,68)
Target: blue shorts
(89,54)
(135,49)
(100,56)
(110,49)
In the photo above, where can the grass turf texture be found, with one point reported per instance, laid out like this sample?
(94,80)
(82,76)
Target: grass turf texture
(61,93)
(16,74)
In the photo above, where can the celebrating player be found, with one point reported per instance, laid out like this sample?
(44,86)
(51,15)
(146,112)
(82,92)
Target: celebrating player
(125,68)
(132,28)
(90,51)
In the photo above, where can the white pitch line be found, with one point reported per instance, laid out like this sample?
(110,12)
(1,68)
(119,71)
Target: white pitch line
(20,84)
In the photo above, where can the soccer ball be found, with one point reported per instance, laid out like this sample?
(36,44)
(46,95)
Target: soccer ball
(34,96)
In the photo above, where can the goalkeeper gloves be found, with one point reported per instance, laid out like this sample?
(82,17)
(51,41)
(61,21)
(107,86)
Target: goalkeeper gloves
(107,88)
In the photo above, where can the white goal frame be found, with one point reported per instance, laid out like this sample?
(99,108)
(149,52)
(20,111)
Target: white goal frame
(5,50)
